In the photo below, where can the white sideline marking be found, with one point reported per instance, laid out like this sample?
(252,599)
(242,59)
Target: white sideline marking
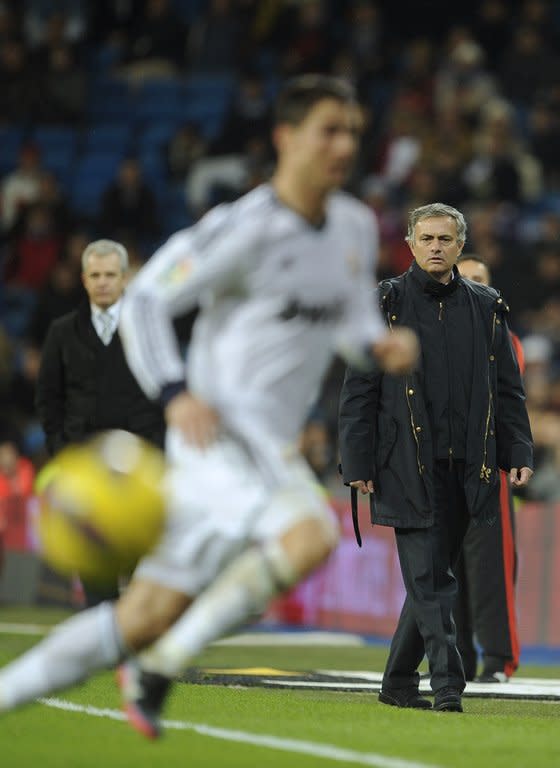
(244,638)
(328,751)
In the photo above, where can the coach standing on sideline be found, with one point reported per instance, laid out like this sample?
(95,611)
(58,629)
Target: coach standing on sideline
(84,384)
(428,447)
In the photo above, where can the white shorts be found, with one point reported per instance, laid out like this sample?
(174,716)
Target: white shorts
(218,503)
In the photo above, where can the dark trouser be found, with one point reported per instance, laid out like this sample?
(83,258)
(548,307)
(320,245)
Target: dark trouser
(97,595)
(426,557)
(485,606)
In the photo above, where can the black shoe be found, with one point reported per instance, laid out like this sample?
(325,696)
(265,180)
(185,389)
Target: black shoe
(408,698)
(448,700)
(492,677)
(143,694)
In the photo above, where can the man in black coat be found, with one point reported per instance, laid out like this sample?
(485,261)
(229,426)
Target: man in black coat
(428,447)
(84,384)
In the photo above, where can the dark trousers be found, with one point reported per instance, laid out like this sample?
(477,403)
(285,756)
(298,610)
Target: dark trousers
(485,607)
(426,558)
(96,595)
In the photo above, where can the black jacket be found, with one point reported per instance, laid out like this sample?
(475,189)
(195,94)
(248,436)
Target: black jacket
(85,387)
(384,422)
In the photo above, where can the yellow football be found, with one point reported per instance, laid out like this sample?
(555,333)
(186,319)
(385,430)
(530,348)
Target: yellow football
(101,506)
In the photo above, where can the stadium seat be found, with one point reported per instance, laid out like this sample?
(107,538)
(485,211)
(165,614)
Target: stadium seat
(188,9)
(158,99)
(113,137)
(93,174)
(11,138)
(109,99)
(155,135)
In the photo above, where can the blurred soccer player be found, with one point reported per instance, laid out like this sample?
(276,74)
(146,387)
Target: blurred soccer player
(283,278)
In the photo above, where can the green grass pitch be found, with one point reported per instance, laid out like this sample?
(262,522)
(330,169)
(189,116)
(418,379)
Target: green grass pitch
(231,727)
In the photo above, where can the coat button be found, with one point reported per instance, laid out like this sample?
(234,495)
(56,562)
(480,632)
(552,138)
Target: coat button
(498,322)
(410,391)
(492,357)
(419,429)
(393,317)
(500,301)
(491,431)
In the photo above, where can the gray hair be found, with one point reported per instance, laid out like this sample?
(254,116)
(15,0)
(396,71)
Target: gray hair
(104,248)
(432,210)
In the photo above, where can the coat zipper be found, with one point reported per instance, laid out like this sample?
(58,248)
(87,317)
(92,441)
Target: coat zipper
(407,391)
(484,470)
(449,415)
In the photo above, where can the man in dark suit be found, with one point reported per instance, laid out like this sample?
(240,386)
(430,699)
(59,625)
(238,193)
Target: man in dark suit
(428,448)
(84,384)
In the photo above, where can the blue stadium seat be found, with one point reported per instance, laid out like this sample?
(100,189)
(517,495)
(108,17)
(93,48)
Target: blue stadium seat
(158,99)
(113,137)
(188,9)
(155,135)
(109,99)
(93,173)
(11,139)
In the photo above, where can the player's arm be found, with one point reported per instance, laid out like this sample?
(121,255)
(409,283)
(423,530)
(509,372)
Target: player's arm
(192,265)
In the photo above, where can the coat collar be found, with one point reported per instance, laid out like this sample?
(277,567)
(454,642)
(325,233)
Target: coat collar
(431,286)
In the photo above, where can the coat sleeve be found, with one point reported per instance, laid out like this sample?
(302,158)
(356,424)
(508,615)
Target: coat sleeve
(49,398)
(356,423)
(515,442)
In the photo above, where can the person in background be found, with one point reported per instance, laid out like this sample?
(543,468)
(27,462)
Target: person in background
(84,384)
(428,448)
(487,566)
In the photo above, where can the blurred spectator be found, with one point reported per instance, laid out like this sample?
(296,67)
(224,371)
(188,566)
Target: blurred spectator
(492,29)
(183,150)
(16,83)
(60,295)
(214,39)
(462,80)
(501,168)
(62,96)
(110,21)
(310,47)
(544,136)
(21,186)
(528,66)
(317,449)
(48,21)
(34,249)
(128,206)
(156,42)
(247,118)
(16,489)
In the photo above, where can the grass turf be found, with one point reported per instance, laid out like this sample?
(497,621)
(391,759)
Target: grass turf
(491,733)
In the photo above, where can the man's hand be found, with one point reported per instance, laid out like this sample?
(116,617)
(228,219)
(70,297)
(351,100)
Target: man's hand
(398,351)
(198,422)
(363,486)
(519,477)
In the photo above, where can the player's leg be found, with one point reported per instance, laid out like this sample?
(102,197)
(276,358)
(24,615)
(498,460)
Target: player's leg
(296,532)
(94,639)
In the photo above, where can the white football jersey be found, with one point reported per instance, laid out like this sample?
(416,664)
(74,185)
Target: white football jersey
(278,297)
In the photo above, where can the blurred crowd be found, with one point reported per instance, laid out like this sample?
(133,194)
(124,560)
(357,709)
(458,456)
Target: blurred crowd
(459,103)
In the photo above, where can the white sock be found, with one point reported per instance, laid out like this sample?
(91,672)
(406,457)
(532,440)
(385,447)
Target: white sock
(71,652)
(241,592)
